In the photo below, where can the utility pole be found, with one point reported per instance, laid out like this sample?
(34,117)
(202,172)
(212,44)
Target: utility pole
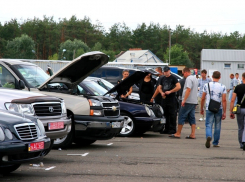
(169,45)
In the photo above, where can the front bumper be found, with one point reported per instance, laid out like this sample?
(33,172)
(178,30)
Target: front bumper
(149,123)
(97,128)
(58,133)
(17,151)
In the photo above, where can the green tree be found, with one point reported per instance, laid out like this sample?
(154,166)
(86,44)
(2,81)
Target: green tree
(178,56)
(21,48)
(53,57)
(69,49)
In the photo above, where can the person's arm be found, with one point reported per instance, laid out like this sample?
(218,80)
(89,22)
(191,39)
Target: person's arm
(155,94)
(161,91)
(187,93)
(232,116)
(224,106)
(202,102)
(129,92)
(175,89)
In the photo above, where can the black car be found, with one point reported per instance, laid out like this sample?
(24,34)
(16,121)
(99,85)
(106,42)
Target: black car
(139,117)
(22,139)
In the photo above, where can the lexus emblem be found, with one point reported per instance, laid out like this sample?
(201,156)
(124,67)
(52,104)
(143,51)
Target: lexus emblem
(51,109)
(114,108)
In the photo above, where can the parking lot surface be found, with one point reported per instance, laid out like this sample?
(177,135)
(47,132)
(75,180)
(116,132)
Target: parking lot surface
(150,157)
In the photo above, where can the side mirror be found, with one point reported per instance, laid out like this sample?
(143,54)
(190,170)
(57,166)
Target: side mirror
(21,84)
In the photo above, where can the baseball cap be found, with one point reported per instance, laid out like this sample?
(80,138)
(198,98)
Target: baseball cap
(166,68)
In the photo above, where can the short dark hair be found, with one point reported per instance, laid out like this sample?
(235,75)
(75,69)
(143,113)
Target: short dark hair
(231,74)
(243,75)
(204,71)
(216,74)
(186,70)
(237,74)
(125,71)
(159,68)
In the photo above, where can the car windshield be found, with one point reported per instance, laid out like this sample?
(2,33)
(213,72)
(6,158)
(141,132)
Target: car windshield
(34,75)
(95,88)
(107,84)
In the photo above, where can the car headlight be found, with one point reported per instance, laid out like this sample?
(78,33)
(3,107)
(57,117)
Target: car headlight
(63,107)
(8,134)
(96,112)
(2,136)
(148,111)
(161,109)
(93,102)
(20,108)
(152,113)
(41,127)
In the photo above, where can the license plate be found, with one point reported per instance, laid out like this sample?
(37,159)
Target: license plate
(35,146)
(163,121)
(56,125)
(116,125)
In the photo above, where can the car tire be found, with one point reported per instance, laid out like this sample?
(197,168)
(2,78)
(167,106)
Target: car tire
(84,142)
(64,142)
(128,126)
(5,169)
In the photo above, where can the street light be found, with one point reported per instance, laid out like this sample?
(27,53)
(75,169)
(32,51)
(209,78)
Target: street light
(169,45)
(62,54)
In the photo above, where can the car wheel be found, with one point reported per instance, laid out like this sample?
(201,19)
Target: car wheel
(5,169)
(65,141)
(45,152)
(84,142)
(128,126)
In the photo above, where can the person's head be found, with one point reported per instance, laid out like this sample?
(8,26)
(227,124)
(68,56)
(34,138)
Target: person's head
(148,76)
(186,72)
(125,73)
(159,70)
(231,76)
(204,74)
(197,76)
(167,71)
(237,75)
(243,77)
(216,75)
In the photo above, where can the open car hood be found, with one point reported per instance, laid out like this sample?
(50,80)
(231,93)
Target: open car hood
(124,85)
(78,69)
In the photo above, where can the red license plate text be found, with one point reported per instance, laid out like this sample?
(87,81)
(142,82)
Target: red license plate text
(35,146)
(56,125)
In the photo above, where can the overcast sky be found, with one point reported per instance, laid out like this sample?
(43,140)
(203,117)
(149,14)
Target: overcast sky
(223,16)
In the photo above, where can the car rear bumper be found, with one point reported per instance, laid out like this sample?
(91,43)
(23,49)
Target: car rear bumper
(97,128)
(17,151)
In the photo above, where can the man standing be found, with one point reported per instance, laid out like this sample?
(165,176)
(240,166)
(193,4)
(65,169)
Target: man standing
(201,82)
(167,88)
(230,90)
(237,81)
(217,92)
(157,96)
(188,105)
(239,94)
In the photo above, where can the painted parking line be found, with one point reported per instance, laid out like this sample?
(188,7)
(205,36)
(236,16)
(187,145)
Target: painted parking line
(47,169)
(85,154)
(110,144)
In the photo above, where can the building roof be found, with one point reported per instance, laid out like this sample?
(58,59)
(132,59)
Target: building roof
(222,55)
(138,56)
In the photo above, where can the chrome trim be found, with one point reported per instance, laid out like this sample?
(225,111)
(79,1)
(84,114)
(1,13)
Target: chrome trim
(28,130)
(47,117)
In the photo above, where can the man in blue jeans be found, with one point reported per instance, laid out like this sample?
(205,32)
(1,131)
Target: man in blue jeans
(217,93)
(188,105)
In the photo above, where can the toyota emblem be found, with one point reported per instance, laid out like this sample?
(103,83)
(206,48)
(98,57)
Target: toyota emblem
(51,109)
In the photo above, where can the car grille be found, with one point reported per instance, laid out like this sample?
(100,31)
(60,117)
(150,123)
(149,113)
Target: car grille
(27,131)
(111,109)
(50,109)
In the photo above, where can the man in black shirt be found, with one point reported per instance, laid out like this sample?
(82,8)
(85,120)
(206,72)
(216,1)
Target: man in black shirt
(167,88)
(239,93)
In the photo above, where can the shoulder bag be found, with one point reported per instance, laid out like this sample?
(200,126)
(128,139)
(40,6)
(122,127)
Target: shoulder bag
(213,104)
(237,108)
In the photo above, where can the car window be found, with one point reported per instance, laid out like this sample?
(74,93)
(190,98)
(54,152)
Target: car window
(112,73)
(95,88)
(7,80)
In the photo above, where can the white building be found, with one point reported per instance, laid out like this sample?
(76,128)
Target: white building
(138,56)
(225,61)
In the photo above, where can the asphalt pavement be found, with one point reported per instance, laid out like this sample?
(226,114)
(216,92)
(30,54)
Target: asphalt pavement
(150,157)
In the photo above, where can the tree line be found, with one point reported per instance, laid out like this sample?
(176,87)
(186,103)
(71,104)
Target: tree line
(67,38)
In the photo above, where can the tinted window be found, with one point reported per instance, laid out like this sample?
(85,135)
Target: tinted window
(112,73)
(7,80)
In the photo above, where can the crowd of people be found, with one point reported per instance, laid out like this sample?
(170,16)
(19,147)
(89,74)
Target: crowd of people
(181,97)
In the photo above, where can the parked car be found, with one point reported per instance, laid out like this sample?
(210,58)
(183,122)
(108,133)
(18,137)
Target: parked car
(22,139)
(93,117)
(50,110)
(139,117)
